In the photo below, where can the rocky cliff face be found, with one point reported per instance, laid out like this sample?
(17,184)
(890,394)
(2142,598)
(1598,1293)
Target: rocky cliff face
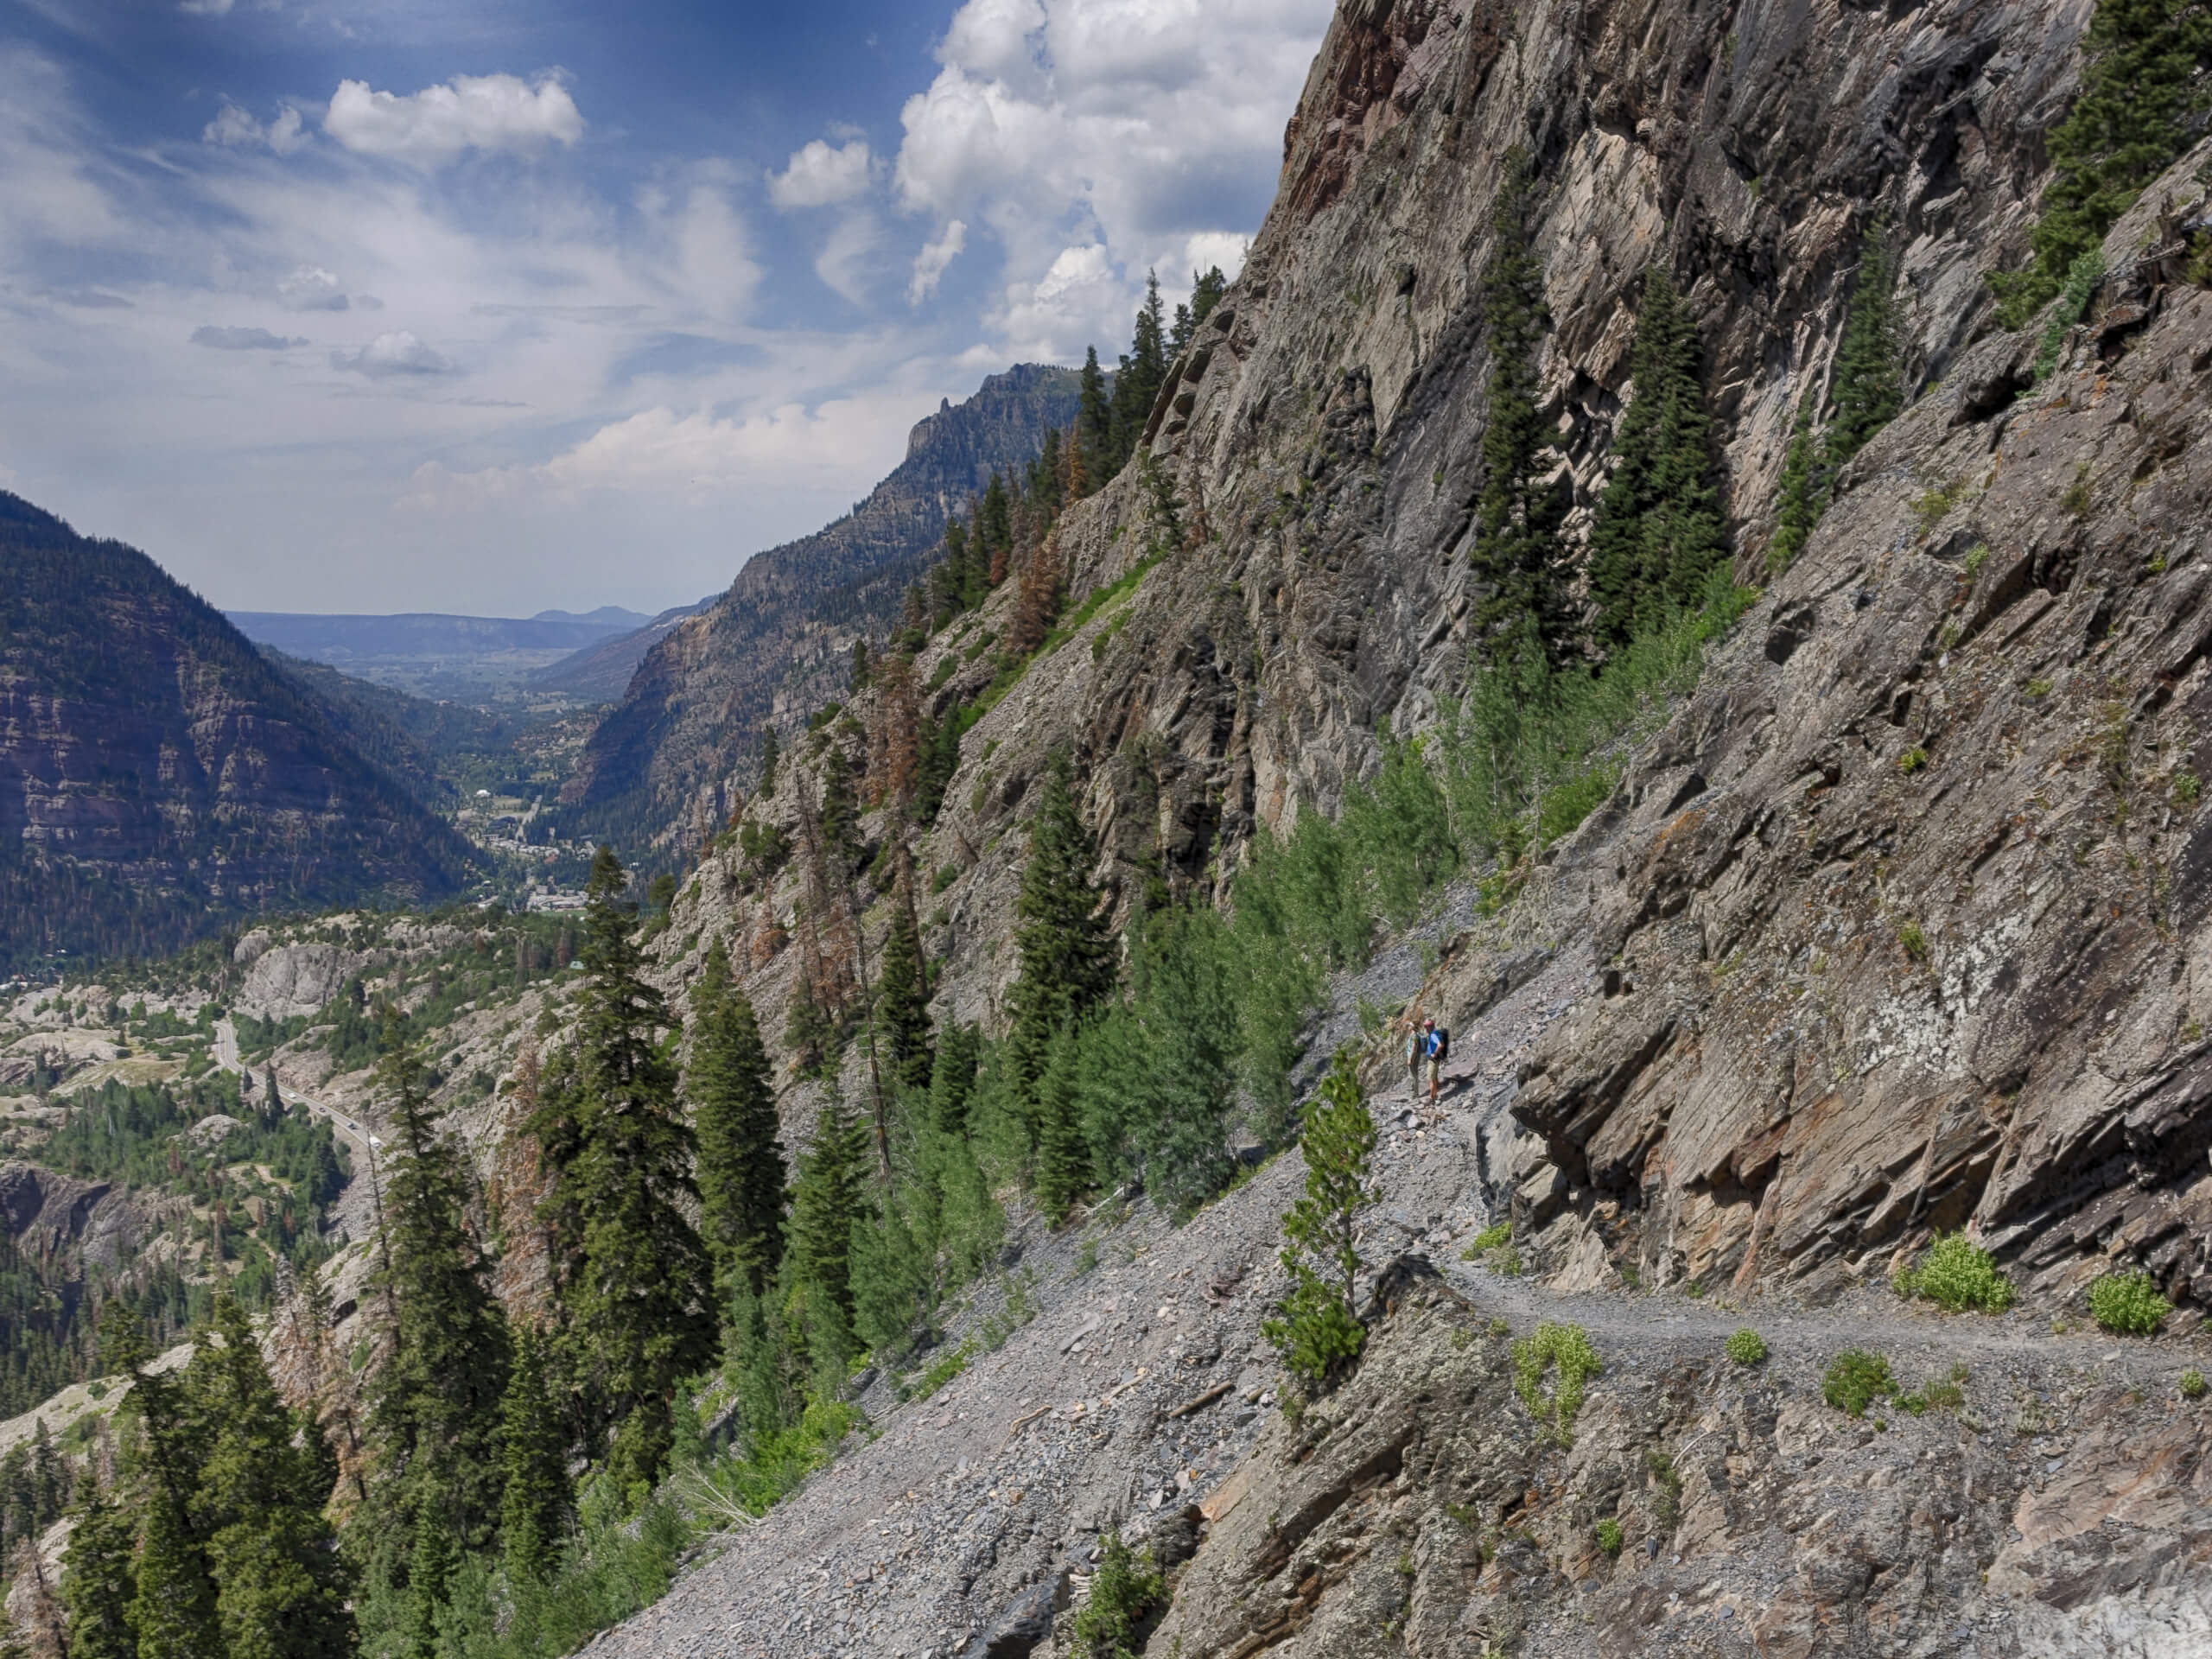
(1898,925)
(157,775)
(664,765)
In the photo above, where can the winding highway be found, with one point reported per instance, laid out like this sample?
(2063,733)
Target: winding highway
(364,1145)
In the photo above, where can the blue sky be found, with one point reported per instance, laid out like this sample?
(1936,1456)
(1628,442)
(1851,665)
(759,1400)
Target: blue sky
(385,305)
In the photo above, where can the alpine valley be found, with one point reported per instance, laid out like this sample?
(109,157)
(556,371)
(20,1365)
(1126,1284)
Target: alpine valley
(895,1112)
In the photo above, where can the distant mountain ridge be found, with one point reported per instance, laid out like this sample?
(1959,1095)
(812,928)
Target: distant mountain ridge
(774,645)
(159,778)
(601,673)
(336,639)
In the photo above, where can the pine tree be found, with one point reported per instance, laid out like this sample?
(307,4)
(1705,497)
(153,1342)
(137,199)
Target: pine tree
(639,1295)
(537,1499)
(431,1561)
(1516,551)
(771,751)
(2144,89)
(1316,1327)
(829,1199)
(1095,420)
(173,1602)
(810,1029)
(863,672)
(840,816)
(902,996)
(952,1078)
(1658,528)
(1137,382)
(281,1589)
(1063,1153)
(1800,498)
(940,761)
(1206,289)
(742,1172)
(434,1415)
(895,767)
(1067,958)
(1869,379)
(995,524)
(98,1580)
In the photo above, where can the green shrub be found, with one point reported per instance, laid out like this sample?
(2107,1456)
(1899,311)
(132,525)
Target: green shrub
(2192,1384)
(1956,1276)
(1566,1350)
(1489,1238)
(1912,761)
(1127,1587)
(2038,687)
(1746,1347)
(1913,940)
(2186,788)
(1609,1535)
(2128,1304)
(1855,1379)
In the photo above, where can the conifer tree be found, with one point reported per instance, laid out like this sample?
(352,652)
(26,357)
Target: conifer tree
(1137,382)
(771,751)
(638,1296)
(281,1589)
(742,1172)
(1516,551)
(536,1499)
(434,1414)
(1206,289)
(902,996)
(1316,1326)
(940,760)
(1799,497)
(2144,89)
(828,1201)
(431,1561)
(810,1030)
(1095,420)
(952,1078)
(1063,1153)
(995,524)
(1869,380)
(863,671)
(840,816)
(173,1602)
(1658,528)
(1067,958)
(98,1578)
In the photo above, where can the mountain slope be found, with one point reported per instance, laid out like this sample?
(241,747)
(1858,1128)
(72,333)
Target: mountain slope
(428,746)
(158,776)
(773,646)
(601,673)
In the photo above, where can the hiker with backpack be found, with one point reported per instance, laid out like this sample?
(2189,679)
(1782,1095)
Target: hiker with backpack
(1415,1053)
(1436,1048)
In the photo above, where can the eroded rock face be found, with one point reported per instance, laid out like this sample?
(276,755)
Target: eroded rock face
(295,979)
(1421,1509)
(1907,908)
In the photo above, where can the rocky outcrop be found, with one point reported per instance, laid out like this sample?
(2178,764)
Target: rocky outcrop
(158,778)
(665,765)
(1423,1509)
(1908,906)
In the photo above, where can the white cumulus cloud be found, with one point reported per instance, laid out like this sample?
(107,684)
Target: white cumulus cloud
(439,124)
(397,353)
(310,288)
(695,458)
(820,176)
(930,264)
(1148,131)
(234,128)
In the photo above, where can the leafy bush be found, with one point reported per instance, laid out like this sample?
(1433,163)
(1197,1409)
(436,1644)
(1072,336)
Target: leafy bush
(2192,1384)
(1956,1275)
(1487,1239)
(1915,941)
(1566,1350)
(1127,1587)
(1609,1535)
(1746,1347)
(1912,761)
(2186,788)
(2128,1304)
(1855,1379)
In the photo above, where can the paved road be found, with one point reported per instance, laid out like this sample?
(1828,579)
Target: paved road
(362,1143)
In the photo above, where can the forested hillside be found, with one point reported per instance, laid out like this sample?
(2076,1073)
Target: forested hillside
(1623,570)
(159,778)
